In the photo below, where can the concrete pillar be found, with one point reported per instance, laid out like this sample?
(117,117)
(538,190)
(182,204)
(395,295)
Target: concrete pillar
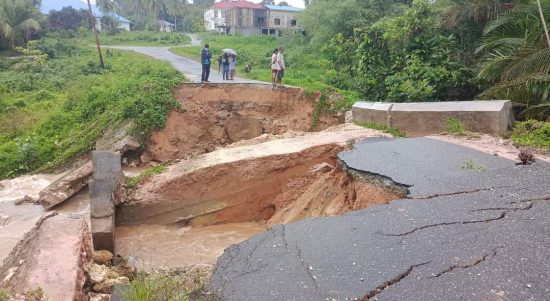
(106,180)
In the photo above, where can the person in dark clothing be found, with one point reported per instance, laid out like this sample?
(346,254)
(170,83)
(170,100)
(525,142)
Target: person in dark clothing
(206,57)
(225,64)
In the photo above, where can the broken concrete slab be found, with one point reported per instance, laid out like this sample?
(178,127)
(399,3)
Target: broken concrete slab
(233,191)
(65,187)
(487,244)
(107,180)
(423,118)
(51,257)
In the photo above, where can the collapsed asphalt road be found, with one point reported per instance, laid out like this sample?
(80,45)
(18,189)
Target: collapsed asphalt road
(475,227)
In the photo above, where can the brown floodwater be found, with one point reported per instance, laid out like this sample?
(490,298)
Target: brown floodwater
(173,246)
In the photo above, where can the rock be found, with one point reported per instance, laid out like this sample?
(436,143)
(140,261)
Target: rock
(145,158)
(98,297)
(118,139)
(62,189)
(97,273)
(112,275)
(4,219)
(25,199)
(224,114)
(106,287)
(322,168)
(102,256)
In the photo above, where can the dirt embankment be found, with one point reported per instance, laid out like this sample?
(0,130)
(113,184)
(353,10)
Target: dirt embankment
(279,181)
(217,115)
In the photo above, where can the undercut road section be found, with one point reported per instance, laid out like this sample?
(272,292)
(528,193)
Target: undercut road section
(474,227)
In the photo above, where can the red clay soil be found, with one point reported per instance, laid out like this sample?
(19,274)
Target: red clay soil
(217,115)
(278,189)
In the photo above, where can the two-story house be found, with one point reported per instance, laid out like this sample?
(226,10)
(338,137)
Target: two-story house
(247,18)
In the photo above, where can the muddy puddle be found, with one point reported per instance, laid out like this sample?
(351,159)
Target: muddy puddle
(172,246)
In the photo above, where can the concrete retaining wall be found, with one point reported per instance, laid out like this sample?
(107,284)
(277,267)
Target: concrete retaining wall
(424,118)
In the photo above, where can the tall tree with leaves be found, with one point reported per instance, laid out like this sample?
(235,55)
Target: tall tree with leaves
(19,20)
(516,58)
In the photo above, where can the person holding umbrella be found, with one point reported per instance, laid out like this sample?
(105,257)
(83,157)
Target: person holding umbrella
(232,66)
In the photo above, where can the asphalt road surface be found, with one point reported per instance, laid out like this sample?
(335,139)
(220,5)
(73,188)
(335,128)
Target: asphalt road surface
(474,227)
(191,69)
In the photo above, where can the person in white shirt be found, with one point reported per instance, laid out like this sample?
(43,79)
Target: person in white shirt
(274,66)
(281,65)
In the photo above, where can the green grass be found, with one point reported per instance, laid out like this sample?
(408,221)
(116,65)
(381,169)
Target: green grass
(141,38)
(305,67)
(532,133)
(155,287)
(454,126)
(471,165)
(54,112)
(381,127)
(155,170)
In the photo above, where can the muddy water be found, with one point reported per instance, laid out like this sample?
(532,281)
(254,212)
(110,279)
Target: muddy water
(173,246)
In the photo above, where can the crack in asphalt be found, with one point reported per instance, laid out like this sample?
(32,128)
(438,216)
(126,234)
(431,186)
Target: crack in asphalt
(456,193)
(306,266)
(391,282)
(534,199)
(492,254)
(501,216)
(505,208)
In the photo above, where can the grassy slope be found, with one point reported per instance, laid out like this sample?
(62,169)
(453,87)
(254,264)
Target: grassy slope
(53,112)
(304,68)
(141,38)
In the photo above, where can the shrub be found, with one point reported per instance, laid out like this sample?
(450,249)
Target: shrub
(532,133)
(454,126)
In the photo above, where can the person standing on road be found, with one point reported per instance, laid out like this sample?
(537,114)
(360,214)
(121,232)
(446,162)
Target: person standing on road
(206,58)
(225,65)
(281,65)
(232,66)
(274,66)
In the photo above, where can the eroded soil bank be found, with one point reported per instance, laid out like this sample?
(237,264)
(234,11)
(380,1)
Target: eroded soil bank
(219,114)
(200,206)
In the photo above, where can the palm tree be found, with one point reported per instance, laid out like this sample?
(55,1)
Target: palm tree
(18,20)
(516,58)
(175,8)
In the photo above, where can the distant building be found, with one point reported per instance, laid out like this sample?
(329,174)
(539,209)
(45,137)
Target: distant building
(247,18)
(281,18)
(48,5)
(165,26)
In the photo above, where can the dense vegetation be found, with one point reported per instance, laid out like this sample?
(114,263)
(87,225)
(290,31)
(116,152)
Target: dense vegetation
(54,106)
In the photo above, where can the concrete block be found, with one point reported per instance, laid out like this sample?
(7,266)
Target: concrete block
(103,233)
(425,118)
(101,194)
(106,180)
(418,119)
(107,165)
(376,112)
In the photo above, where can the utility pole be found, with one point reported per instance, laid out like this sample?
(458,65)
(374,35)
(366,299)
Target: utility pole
(92,20)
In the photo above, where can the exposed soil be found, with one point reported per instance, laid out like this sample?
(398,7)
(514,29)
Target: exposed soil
(202,205)
(217,115)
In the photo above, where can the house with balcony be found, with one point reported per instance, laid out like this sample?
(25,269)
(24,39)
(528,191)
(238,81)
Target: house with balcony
(282,18)
(247,18)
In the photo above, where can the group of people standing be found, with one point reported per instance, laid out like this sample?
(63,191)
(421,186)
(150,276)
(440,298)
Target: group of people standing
(229,63)
(277,66)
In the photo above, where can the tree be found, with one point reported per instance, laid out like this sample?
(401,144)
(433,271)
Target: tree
(516,58)
(67,18)
(283,3)
(19,20)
